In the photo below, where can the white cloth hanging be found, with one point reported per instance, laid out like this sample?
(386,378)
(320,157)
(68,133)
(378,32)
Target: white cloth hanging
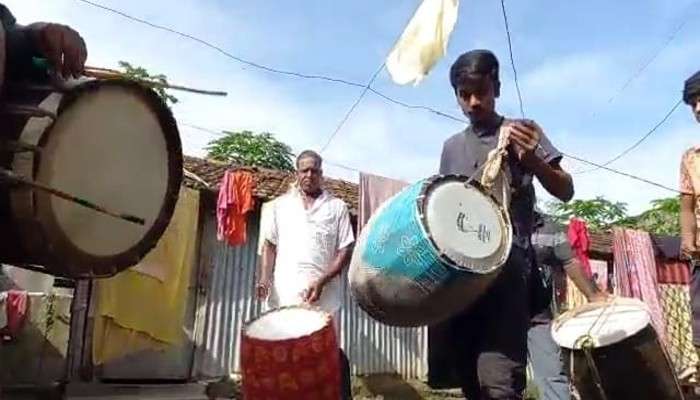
(423,42)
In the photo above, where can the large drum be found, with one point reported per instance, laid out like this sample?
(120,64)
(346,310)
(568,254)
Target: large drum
(112,143)
(615,353)
(291,354)
(429,252)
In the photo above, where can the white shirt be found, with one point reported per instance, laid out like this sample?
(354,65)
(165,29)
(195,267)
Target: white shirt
(307,241)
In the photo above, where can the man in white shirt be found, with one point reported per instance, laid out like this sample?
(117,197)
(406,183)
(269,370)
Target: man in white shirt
(307,244)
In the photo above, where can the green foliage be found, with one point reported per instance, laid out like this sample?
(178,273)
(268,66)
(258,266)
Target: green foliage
(598,213)
(662,218)
(155,82)
(248,148)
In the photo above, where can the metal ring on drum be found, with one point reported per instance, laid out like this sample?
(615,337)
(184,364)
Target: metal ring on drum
(112,142)
(429,252)
(615,353)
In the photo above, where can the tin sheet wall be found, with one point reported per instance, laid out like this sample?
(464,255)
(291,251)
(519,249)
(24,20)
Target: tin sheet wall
(227,301)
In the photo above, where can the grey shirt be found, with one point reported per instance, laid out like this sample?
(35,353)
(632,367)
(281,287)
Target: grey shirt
(553,252)
(463,153)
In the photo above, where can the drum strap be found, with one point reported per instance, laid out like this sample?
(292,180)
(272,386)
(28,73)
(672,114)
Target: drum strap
(587,345)
(494,160)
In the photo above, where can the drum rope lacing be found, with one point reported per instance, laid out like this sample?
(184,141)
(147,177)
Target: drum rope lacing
(587,344)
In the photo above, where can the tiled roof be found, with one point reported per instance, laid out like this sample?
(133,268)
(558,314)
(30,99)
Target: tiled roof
(269,183)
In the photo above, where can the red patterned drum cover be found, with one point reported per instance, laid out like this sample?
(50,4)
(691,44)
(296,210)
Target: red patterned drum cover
(290,354)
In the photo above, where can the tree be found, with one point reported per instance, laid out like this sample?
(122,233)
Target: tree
(156,82)
(662,218)
(599,213)
(248,148)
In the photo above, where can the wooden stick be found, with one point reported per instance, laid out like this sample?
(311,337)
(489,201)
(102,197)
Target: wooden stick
(12,177)
(107,73)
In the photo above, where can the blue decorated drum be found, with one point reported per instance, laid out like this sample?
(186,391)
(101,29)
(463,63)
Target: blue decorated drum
(429,252)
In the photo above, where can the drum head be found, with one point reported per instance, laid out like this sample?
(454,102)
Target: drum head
(606,323)
(115,144)
(467,226)
(287,323)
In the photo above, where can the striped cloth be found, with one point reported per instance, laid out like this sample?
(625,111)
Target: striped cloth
(635,273)
(672,272)
(675,301)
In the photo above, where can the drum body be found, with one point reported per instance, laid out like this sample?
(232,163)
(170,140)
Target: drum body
(113,143)
(429,252)
(291,353)
(626,361)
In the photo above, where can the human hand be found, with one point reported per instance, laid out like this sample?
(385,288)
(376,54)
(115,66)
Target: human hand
(62,46)
(525,136)
(314,291)
(262,288)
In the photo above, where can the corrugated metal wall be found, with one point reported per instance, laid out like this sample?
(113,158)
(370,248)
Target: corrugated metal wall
(228,302)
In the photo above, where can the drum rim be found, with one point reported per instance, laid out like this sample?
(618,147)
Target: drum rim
(70,255)
(328,317)
(505,248)
(571,314)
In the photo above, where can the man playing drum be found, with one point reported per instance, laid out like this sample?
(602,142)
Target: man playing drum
(490,339)
(60,44)
(690,206)
(555,258)
(307,245)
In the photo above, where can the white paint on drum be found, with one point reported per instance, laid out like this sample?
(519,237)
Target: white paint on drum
(458,231)
(287,323)
(606,323)
(109,149)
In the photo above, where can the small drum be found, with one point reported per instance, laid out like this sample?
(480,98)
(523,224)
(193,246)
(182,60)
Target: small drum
(113,143)
(615,353)
(291,354)
(429,252)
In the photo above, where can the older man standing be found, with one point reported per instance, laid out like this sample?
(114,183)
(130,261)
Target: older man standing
(307,245)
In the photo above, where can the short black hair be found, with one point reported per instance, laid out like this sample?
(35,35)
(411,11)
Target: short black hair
(475,64)
(691,89)
(310,154)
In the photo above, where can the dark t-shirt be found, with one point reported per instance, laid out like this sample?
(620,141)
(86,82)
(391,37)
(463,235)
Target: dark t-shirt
(553,251)
(19,47)
(466,151)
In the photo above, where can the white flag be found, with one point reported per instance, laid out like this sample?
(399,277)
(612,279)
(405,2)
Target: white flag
(423,42)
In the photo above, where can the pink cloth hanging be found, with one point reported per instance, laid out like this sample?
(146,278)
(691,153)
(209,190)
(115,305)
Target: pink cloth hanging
(374,191)
(578,238)
(635,273)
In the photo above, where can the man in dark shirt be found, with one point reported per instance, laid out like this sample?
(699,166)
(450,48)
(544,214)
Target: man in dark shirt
(490,339)
(556,259)
(63,47)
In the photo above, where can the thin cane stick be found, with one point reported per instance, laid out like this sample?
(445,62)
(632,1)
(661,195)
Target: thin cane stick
(106,73)
(12,177)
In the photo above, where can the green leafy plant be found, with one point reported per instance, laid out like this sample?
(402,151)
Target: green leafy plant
(598,213)
(251,149)
(157,82)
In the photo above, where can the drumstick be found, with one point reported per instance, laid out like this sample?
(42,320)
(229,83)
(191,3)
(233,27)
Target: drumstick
(11,176)
(96,72)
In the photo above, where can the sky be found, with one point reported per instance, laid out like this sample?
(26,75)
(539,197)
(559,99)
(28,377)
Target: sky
(574,62)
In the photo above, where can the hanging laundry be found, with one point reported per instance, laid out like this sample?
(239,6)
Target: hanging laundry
(374,191)
(16,313)
(423,42)
(668,247)
(580,242)
(635,273)
(675,302)
(135,312)
(672,271)
(235,202)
